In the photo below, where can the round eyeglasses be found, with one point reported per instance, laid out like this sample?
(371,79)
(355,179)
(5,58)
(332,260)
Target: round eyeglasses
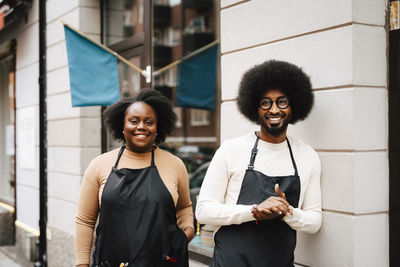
(282,102)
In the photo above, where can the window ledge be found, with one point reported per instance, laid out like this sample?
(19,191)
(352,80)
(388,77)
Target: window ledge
(196,247)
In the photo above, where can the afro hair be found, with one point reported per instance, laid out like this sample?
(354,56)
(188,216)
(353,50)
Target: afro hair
(274,74)
(114,115)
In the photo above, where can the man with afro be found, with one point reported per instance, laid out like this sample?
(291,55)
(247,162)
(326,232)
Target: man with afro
(263,187)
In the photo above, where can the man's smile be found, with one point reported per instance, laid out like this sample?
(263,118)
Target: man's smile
(276,119)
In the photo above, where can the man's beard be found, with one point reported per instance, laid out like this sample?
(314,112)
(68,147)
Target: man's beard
(275,131)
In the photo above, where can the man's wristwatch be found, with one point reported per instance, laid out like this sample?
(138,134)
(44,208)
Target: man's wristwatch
(289,216)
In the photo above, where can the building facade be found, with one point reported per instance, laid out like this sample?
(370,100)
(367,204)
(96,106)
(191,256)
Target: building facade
(343,45)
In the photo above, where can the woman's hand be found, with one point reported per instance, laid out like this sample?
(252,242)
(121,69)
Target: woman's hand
(189,232)
(271,207)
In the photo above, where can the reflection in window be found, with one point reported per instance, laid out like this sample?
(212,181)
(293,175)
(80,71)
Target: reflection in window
(129,78)
(166,78)
(129,83)
(124,19)
(7,130)
(199,117)
(178,112)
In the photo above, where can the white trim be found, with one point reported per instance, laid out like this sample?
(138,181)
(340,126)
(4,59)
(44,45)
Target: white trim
(27,228)
(7,207)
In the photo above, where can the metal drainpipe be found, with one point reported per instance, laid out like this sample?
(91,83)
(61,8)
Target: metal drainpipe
(42,261)
(102,34)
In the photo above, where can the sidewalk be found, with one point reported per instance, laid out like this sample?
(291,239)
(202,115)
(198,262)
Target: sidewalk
(5,261)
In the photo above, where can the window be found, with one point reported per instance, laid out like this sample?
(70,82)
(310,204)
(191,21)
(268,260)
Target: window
(7,130)
(178,112)
(199,117)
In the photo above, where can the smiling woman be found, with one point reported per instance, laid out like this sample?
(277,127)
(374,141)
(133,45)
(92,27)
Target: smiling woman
(115,115)
(147,189)
(140,127)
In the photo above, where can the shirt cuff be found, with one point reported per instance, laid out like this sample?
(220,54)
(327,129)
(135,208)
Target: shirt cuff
(296,217)
(247,215)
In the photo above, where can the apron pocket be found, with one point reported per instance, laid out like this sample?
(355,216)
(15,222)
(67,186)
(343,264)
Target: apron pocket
(176,254)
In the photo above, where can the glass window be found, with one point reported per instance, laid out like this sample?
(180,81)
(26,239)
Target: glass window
(7,131)
(129,82)
(129,78)
(199,117)
(124,32)
(178,112)
(124,19)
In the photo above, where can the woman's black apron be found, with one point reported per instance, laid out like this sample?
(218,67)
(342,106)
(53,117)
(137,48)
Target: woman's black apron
(137,223)
(268,243)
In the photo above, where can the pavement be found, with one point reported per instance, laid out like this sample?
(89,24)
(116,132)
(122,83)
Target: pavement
(6,261)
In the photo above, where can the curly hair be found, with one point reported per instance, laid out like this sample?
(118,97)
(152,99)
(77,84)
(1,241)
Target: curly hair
(274,74)
(114,115)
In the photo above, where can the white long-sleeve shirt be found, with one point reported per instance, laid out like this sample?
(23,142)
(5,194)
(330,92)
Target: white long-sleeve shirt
(220,190)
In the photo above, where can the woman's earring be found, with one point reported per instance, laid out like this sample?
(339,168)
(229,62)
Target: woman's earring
(156,134)
(123,132)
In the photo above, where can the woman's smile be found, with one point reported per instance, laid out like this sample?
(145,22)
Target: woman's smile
(140,127)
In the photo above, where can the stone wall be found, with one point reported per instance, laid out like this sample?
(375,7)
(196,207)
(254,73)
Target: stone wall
(73,133)
(342,46)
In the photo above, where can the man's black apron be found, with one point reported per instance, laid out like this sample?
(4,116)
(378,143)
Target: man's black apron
(137,222)
(268,243)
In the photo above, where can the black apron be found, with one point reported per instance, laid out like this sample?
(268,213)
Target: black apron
(137,223)
(268,243)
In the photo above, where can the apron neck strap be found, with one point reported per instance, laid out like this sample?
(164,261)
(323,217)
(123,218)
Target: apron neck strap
(253,154)
(291,156)
(119,156)
(152,156)
(122,150)
(255,150)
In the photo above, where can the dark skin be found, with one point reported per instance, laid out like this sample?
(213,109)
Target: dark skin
(140,128)
(272,207)
(273,117)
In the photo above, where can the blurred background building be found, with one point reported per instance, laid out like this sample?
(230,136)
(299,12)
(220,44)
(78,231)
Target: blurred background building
(346,46)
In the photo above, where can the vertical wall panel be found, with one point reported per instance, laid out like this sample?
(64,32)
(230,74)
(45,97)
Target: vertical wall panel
(73,132)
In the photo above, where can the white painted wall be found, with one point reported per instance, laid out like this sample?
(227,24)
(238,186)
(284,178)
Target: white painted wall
(341,44)
(73,133)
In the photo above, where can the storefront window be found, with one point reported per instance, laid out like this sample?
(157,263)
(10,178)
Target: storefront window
(7,131)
